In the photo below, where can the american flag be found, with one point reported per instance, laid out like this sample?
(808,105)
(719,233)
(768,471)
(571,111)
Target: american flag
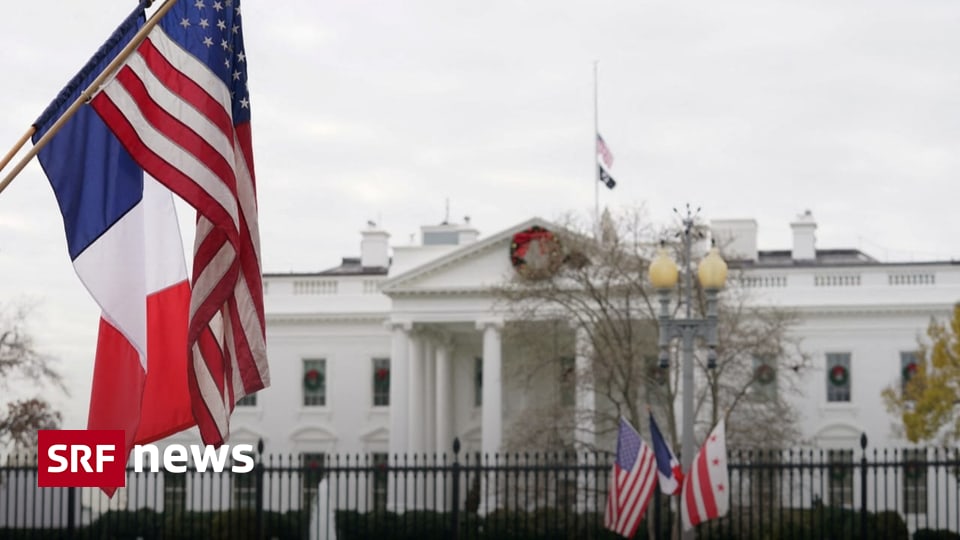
(631,482)
(181,107)
(604,152)
(706,488)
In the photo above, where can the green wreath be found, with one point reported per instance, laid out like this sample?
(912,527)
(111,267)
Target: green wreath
(312,380)
(839,376)
(765,374)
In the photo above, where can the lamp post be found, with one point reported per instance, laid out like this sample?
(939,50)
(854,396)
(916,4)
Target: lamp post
(712,273)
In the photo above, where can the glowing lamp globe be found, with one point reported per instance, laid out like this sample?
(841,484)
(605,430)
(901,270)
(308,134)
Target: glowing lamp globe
(663,271)
(712,270)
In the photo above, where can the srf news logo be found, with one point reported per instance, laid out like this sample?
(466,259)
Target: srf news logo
(97,458)
(81,458)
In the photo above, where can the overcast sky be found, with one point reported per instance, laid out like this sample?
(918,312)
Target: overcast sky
(382,110)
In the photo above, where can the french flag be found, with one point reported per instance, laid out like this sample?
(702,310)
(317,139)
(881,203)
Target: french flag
(669,472)
(124,240)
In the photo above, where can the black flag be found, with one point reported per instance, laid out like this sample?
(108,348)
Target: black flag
(606,178)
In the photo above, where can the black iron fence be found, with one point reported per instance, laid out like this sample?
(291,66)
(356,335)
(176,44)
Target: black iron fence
(782,494)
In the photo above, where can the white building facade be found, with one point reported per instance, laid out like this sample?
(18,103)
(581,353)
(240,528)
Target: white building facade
(401,352)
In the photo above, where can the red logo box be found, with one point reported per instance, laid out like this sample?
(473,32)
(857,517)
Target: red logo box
(81,458)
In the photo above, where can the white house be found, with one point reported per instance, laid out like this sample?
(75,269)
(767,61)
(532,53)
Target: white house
(401,350)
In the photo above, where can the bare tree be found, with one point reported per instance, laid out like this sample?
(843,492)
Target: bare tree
(599,287)
(23,366)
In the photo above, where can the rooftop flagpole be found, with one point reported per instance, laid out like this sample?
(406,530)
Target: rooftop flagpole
(85,96)
(596,167)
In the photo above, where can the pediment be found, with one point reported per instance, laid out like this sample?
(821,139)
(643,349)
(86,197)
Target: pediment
(838,435)
(472,268)
(379,435)
(245,435)
(312,435)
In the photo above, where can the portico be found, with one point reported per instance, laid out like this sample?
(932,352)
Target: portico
(434,390)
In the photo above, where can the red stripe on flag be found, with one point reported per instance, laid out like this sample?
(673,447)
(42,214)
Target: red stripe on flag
(186,88)
(174,129)
(156,166)
(706,486)
(690,493)
(166,407)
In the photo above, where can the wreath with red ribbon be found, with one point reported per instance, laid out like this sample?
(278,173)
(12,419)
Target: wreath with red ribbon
(549,252)
(764,374)
(312,380)
(839,375)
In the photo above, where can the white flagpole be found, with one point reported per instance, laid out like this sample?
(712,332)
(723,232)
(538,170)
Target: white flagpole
(596,166)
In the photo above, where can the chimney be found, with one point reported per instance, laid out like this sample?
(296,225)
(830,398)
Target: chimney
(736,238)
(374,247)
(467,233)
(804,237)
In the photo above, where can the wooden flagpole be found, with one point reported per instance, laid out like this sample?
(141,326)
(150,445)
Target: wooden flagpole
(16,148)
(84,97)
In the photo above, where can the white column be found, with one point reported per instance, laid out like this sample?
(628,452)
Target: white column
(399,371)
(399,408)
(429,394)
(491,416)
(444,389)
(416,401)
(586,410)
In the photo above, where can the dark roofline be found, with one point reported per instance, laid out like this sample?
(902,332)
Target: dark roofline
(350,266)
(860,259)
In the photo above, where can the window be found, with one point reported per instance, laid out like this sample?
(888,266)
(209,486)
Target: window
(311,472)
(244,490)
(477,381)
(840,470)
(381,382)
(249,400)
(915,481)
(378,489)
(764,385)
(838,377)
(174,493)
(568,381)
(908,366)
(314,383)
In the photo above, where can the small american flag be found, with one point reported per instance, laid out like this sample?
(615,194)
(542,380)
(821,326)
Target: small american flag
(181,108)
(604,152)
(706,488)
(631,482)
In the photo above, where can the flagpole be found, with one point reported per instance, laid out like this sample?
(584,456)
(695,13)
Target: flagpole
(87,94)
(596,166)
(16,147)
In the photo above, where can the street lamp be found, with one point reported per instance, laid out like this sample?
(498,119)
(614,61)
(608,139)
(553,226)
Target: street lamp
(712,273)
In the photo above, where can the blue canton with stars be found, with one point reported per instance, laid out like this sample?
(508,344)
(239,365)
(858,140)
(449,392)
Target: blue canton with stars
(211,31)
(628,446)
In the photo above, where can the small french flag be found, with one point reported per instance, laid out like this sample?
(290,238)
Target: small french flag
(668,468)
